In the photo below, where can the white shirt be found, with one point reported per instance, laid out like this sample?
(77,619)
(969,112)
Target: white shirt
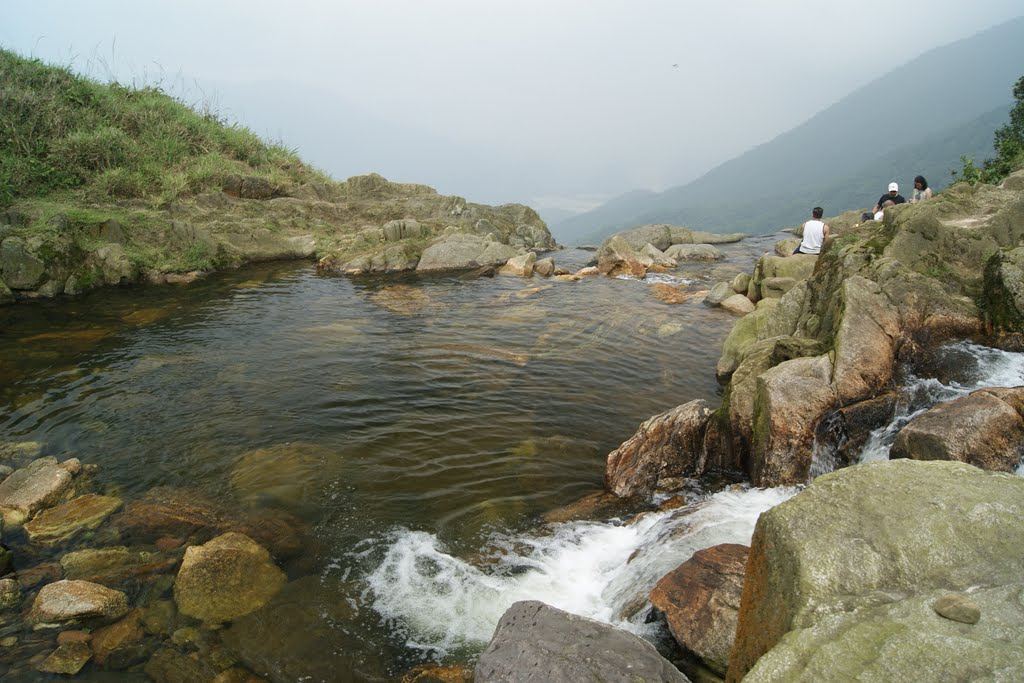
(814,235)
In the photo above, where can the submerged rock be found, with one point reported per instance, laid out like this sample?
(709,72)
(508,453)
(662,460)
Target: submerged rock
(852,565)
(68,659)
(115,565)
(666,445)
(984,428)
(31,488)
(71,600)
(701,601)
(10,594)
(167,665)
(60,523)
(534,641)
(226,578)
(286,473)
(298,635)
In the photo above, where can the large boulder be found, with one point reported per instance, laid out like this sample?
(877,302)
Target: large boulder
(777,320)
(984,428)
(40,484)
(701,601)
(876,535)
(791,397)
(666,445)
(60,523)
(228,577)
(459,251)
(865,340)
(71,600)
(536,642)
(797,267)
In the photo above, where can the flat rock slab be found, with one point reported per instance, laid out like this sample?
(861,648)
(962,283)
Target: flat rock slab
(71,600)
(537,642)
(113,565)
(68,659)
(64,521)
(39,484)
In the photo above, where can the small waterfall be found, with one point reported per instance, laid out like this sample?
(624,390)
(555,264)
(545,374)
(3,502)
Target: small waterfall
(973,367)
(829,437)
(441,603)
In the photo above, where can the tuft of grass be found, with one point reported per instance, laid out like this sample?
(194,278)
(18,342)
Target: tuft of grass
(89,142)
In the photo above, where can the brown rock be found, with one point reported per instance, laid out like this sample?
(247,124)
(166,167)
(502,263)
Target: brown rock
(596,505)
(666,445)
(66,520)
(33,576)
(544,267)
(73,637)
(701,601)
(957,607)
(120,635)
(73,600)
(38,485)
(983,429)
(672,294)
(435,673)
(166,511)
(226,578)
(865,342)
(68,659)
(113,566)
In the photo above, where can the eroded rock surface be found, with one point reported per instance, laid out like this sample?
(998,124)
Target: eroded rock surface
(536,642)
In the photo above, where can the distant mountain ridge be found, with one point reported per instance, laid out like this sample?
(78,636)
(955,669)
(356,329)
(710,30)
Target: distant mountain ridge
(908,121)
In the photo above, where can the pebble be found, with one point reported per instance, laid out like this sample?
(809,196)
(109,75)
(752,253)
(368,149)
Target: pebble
(957,607)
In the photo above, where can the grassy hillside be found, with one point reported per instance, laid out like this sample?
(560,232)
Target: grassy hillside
(946,88)
(67,137)
(102,184)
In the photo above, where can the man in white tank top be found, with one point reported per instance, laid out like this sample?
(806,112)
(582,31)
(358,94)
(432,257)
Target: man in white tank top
(815,234)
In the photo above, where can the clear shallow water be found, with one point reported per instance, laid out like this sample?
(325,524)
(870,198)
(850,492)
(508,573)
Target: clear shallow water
(410,420)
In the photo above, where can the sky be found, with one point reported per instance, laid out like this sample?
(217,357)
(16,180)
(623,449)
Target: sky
(557,103)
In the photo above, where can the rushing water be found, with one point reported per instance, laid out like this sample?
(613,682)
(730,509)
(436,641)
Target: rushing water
(967,367)
(410,422)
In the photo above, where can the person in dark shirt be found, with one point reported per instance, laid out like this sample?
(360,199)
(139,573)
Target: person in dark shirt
(893,195)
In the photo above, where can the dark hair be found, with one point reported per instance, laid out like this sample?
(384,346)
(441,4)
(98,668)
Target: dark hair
(817,212)
(924,183)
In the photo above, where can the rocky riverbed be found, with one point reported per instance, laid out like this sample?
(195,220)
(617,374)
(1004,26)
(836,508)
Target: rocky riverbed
(210,490)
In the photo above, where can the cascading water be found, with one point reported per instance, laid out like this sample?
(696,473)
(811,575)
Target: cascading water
(976,367)
(602,570)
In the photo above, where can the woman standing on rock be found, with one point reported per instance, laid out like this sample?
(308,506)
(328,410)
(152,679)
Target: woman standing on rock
(921,190)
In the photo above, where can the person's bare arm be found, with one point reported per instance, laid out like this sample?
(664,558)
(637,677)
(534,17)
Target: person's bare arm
(826,231)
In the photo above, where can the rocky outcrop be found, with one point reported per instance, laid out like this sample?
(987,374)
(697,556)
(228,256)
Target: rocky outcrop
(985,429)
(701,600)
(853,563)
(791,269)
(365,224)
(666,445)
(534,641)
(71,600)
(1003,297)
(634,252)
(226,578)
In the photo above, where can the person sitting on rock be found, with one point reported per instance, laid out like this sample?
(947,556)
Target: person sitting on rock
(893,195)
(815,233)
(921,190)
(880,214)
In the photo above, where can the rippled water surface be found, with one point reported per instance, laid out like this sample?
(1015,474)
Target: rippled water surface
(455,408)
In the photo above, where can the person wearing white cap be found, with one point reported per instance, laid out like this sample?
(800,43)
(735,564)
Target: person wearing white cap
(893,196)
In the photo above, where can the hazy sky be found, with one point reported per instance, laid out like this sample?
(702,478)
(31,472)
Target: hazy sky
(558,103)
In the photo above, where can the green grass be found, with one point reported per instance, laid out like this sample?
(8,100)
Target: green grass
(66,137)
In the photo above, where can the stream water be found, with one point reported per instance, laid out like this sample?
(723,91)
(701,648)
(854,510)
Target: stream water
(409,422)
(419,428)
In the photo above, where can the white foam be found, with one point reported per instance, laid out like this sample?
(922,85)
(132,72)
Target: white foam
(995,368)
(600,570)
